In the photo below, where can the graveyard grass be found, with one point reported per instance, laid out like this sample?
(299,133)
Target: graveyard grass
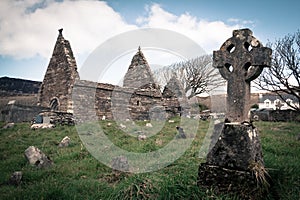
(76,174)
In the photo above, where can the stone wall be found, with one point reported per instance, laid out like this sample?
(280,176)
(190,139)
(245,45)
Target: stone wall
(284,116)
(19,113)
(93,100)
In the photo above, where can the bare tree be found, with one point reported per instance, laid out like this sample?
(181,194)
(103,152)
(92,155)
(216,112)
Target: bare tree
(283,77)
(197,75)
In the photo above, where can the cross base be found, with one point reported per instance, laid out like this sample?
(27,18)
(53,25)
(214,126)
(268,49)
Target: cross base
(237,147)
(235,163)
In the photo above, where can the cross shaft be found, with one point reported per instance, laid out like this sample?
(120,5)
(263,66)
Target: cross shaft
(240,60)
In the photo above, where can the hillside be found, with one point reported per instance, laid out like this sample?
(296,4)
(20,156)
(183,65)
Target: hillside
(15,86)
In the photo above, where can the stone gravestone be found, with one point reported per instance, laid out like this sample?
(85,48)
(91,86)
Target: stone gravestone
(46,120)
(235,163)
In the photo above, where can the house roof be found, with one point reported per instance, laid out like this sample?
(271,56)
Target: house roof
(273,97)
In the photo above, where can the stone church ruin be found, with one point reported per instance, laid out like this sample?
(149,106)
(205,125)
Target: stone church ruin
(140,98)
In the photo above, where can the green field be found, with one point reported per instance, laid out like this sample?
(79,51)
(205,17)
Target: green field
(76,174)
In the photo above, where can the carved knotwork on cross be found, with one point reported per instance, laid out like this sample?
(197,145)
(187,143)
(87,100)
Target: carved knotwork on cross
(240,60)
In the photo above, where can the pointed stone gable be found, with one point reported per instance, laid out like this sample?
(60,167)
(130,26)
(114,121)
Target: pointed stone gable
(56,89)
(175,101)
(139,73)
(173,89)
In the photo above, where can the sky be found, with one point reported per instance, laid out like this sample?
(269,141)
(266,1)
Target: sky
(29,28)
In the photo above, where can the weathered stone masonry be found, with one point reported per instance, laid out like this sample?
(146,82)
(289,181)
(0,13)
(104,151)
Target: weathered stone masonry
(114,102)
(139,99)
(56,89)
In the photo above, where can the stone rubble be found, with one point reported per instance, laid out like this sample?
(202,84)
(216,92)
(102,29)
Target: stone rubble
(120,163)
(8,125)
(36,157)
(65,142)
(15,178)
(41,126)
(149,125)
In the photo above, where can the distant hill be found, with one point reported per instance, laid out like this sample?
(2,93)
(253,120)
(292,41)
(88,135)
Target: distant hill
(15,86)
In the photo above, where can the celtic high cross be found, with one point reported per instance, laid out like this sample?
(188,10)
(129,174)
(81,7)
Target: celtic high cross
(240,60)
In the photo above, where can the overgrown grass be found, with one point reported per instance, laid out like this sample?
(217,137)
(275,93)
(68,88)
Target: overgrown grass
(76,174)
(281,151)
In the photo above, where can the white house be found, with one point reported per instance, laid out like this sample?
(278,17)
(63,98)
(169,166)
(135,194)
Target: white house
(273,101)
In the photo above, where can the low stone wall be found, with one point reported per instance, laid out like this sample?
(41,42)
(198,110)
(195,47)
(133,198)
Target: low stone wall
(19,113)
(284,116)
(276,115)
(59,118)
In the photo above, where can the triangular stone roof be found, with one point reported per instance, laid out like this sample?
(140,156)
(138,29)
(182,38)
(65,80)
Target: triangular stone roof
(139,73)
(173,89)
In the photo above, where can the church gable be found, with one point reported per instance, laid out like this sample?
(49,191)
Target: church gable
(139,72)
(173,89)
(60,77)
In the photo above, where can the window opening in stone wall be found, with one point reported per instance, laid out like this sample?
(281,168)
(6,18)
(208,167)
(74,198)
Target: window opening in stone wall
(54,103)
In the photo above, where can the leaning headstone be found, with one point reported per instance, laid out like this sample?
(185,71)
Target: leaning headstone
(64,142)
(236,157)
(181,133)
(15,178)
(120,163)
(36,157)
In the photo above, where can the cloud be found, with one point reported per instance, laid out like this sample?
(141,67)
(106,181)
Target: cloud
(209,34)
(234,20)
(241,21)
(28,28)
